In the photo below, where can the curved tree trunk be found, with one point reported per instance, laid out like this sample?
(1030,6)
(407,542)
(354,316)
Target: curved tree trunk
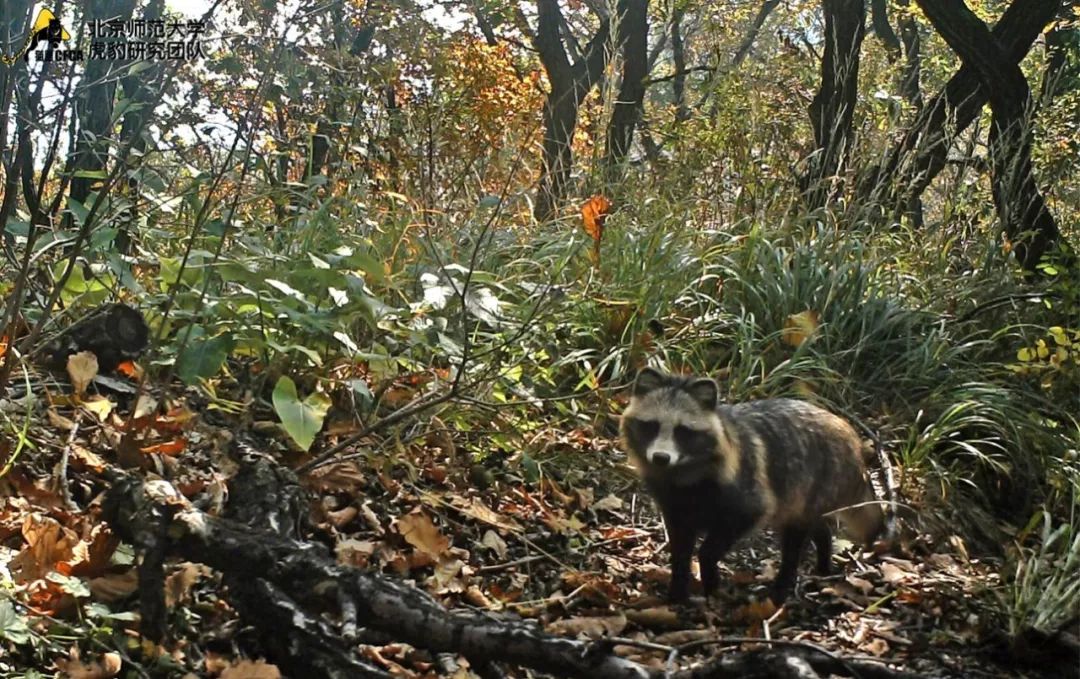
(1025,217)
(899,181)
(833,108)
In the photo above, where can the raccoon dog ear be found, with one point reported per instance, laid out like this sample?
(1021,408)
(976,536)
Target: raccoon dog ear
(649,379)
(706,392)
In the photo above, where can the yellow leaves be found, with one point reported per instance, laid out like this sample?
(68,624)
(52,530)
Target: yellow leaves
(800,327)
(1061,352)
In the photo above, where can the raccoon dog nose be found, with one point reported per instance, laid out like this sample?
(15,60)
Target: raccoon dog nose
(661,459)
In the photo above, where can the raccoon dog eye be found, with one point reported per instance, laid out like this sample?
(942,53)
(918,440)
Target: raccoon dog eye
(693,440)
(646,429)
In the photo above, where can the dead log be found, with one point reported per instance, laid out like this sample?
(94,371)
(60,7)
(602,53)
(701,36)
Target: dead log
(275,579)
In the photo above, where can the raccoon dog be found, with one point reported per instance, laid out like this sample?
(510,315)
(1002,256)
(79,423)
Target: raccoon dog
(723,471)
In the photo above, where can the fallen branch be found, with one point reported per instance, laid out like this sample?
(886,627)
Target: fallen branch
(276,576)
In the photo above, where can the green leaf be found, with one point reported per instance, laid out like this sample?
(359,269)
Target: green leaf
(302,420)
(90,174)
(13,626)
(203,358)
(73,586)
(78,211)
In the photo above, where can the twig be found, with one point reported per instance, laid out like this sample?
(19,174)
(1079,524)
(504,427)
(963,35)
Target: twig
(61,473)
(1000,301)
(510,564)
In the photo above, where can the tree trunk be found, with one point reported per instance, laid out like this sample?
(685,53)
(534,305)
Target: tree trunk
(910,89)
(633,27)
(879,18)
(1023,212)
(94,107)
(833,109)
(913,163)
(570,83)
(138,89)
(678,58)
(751,35)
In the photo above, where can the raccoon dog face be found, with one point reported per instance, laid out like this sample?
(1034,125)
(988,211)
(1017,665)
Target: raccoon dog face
(671,422)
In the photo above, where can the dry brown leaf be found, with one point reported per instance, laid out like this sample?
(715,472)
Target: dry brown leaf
(475,597)
(419,531)
(336,478)
(476,509)
(108,666)
(59,421)
(684,636)
(356,553)
(145,406)
(864,586)
(114,586)
(876,646)
(892,573)
(610,503)
(179,583)
(657,617)
(342,516)
(82,368)
(82,458)
(47,544)
(492,541)
(249,669)
(590,628)
(446,579)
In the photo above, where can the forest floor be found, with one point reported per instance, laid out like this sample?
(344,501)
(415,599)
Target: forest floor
(563,536)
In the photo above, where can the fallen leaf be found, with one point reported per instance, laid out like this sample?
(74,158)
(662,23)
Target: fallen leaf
(355,553)
(114,586)
(59,421)
(657,617)
(146,405)
(589,628)
(336,478)
(179,583)
(47,544)
(446,575)
(108,666)
(174,447)
(611,503)
(81,458)
(492,541)
(248,669)
(419,531)
(99,407)
(891,573)
(81,368)
(476,509)
(342,516)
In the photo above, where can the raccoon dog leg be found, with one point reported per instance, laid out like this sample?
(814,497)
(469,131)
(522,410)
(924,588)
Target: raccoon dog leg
(716,544)
(792,541)
(682,538)
(822,539)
